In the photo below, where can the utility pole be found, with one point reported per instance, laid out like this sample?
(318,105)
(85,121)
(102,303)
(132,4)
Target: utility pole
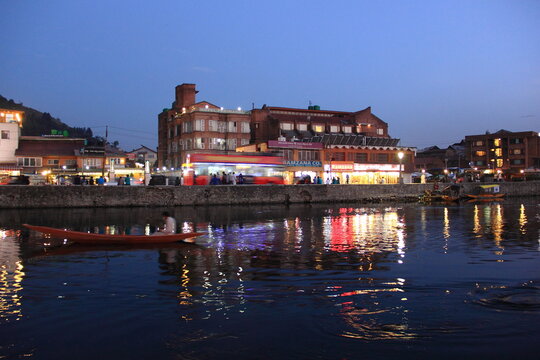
(104,151)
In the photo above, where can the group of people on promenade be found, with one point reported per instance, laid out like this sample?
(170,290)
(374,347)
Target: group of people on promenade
(319,180)
(226,179)
(90,180)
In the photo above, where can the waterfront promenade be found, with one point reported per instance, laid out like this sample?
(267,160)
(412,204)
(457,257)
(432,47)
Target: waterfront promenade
(149,196)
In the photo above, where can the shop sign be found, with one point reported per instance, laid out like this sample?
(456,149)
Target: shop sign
(306,163)
(341,166)
(294,145)
(376,167)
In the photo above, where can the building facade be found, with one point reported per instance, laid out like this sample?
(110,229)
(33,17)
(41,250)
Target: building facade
(53,156)
(435,160)
(504,151)
(270,123)
(143,154)
(10,132)
(191,127)
(352,146)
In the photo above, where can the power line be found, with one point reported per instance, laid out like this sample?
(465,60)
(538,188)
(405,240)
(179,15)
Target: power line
(123,129)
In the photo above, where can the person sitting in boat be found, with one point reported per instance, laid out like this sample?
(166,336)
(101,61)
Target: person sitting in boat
(169,226)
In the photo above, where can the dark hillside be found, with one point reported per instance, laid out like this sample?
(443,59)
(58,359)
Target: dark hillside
(37,123)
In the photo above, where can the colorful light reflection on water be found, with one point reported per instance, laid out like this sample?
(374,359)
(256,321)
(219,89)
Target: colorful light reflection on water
(273,282)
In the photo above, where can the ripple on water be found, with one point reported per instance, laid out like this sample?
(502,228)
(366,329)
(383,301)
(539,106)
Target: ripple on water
(525,297)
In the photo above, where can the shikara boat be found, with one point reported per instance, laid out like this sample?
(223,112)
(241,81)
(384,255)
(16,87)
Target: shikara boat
(486,193)
(449,198)
(106,239)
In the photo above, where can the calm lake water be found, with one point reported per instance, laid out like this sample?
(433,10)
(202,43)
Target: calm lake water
(390,281)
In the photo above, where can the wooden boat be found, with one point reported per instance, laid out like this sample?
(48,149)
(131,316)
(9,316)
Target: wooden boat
(485,196)
(106,239)
(449,198)
(486,193)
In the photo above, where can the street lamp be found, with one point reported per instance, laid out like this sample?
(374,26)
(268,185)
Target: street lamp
(400,156)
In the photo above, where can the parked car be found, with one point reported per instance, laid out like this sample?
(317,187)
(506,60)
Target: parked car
(164,180)
(18,180)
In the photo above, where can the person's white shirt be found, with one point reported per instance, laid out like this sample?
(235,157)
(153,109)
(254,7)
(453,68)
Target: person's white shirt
(170,225)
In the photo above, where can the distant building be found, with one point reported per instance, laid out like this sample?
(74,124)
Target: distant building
(10,131)
(509,152)
(434,159)
(198,127)
(143,154)
(58,155)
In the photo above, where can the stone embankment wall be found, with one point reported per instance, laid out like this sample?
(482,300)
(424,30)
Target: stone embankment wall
(117,196)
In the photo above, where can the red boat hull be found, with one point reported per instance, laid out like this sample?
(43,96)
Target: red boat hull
(105,239)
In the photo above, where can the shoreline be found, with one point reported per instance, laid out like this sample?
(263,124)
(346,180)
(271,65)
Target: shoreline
(49,196)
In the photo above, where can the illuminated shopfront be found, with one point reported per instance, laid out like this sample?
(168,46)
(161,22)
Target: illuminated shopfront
(362,173)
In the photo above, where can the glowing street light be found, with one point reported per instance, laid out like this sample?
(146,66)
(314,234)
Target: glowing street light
(400,157)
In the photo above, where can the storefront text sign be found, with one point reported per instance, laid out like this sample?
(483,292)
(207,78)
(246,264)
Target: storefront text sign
(303,163)
(376,167)
(342,166)
(294,144)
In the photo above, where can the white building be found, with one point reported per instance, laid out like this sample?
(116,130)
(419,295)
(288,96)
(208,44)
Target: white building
(10,131)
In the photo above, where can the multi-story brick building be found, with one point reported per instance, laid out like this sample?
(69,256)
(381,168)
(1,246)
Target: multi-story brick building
(348,145)
(352,146)
(198,127)
(509,152)
(269,123)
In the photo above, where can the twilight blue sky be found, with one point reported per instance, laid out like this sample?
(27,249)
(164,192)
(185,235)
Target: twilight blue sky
(434,70)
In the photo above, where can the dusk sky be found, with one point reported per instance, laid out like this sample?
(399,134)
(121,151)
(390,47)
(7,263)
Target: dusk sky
(435,71)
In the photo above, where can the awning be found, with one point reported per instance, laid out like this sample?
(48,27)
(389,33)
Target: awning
(10,167)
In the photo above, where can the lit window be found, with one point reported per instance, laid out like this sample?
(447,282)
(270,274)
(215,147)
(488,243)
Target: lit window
(498,152)
(497,142)
(245,127)
(347,129)
(231,144)
(380,131)
(499,162)
(286,126)
(334,128)
(318,128)
(480,153)
(301,127)
(199,125)
(198,143)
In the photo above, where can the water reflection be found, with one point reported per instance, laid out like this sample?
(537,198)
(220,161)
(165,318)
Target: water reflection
(334,272)
(11,277)
(522,220)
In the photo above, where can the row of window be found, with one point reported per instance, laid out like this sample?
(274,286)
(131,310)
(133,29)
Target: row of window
(206,143)
(320,128)
(210,125)
(307,155)
(499,152)
(499,162)
(37,162)
(498,142)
